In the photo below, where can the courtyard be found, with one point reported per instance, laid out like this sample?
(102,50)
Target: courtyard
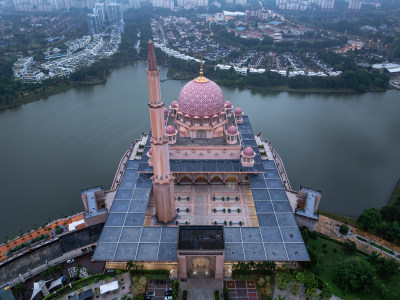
(230,204)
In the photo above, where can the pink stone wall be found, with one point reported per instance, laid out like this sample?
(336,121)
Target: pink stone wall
(202,153)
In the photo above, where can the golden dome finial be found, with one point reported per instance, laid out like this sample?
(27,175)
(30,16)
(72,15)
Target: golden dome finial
(201,78)
(201,64)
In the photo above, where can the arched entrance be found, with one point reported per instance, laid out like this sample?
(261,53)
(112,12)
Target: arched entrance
(201,267)
(201,134)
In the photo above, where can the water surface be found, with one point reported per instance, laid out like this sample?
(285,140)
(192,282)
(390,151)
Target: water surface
(346,145)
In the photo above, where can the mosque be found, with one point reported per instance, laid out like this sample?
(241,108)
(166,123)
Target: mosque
(201,191)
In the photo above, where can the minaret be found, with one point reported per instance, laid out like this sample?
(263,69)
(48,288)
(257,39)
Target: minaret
(163,181)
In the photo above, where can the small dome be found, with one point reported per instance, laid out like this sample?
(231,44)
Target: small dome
(174,104)
(166,111)
(201,98)
(170,130)
(238,111)
(228,104)
(150,152)
(232,130)
(248,151)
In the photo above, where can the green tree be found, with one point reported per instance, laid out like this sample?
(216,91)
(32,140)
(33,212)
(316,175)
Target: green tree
(344,229)
(393,232)
(129,265)
(326,291)
(19,288)
(369,219)
(175,290)
(355,274)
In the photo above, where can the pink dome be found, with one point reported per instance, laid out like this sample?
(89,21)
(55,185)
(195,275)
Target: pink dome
(238,111)
(248,151)
(201,99)
(170,130)
(150,152)
(166,111)
(228,104)
(174,104)
(232,130)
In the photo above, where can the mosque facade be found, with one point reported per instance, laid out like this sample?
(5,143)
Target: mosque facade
(196,195)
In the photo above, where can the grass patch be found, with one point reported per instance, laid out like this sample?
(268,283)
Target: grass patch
(361,239)
(153,274)
(382,248)
(341,218)
(325,269)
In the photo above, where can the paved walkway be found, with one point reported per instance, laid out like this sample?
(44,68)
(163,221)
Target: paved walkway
(202,289)
(241,289)
(330,228)
(158,287)
(36,233)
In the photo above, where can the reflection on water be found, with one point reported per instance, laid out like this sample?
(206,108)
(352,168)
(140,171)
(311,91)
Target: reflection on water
(346,145)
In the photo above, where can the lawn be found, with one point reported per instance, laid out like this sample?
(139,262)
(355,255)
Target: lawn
(325,269)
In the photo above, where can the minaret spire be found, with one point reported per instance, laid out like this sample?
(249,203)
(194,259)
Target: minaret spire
(201,78)
(151,56)
(163,181)
(201,64)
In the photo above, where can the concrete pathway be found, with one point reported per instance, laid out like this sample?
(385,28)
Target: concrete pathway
(330,227)
(202,289)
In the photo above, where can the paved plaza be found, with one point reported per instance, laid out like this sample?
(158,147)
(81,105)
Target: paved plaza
(196,203)
(241,289)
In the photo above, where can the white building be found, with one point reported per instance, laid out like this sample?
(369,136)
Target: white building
(78,43)
(241,2)
(355,4)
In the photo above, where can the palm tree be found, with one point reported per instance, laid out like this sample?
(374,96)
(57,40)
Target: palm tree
(19,288)
(270,266)
(129,265)
(251,265)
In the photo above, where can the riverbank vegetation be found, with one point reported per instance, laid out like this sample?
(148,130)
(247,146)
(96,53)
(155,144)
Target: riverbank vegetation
(349,220)
(383,222)
(350,273)
(353,79)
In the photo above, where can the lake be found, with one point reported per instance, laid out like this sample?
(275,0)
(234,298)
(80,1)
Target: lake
(346,145)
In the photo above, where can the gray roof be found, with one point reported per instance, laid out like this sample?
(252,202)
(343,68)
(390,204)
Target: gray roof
(277,238)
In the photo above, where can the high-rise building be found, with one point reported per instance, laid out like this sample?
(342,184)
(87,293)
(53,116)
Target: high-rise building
(355,4)
(95,23)
(134,4)
(164,4)
(326,4)
(114,12)
(241,2)
(100,9)
(203,2)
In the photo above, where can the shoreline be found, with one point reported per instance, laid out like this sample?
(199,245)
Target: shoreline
(61,88)
(282,88)
(39,96)
(278,89)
